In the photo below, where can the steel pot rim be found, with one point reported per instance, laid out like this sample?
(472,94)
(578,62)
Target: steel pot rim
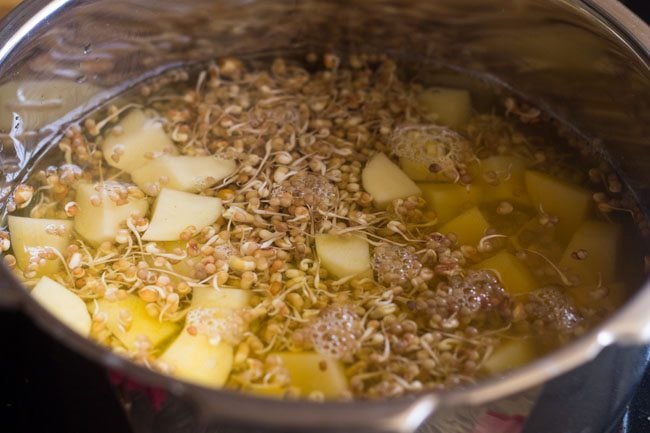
(629,325)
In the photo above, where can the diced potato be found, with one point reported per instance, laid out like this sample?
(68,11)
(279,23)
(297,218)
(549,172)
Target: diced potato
(343,255)
(420,148)
(591,255)
(384,180)
(446,106)
(101,223)
(431,147)
(31,236)
(175,211)
(415,170)
(510,355)
(469,227)
(513,274)
(133,309)
(482,95)
(140,139)
(502,178)
(569,202)
(420,172)
(183,173)
(195,359)
(232,299)
(309,372)
(193,356)
(448,200)
(65,305)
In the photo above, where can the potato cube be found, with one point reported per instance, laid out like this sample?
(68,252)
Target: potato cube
(231,299)
(183,173)
(32,236)
(469,227)
(420,172)
(196,359)
(63,304)
(567,201)
(174,211)
(129,321)
(311,372)
(431,152)
(513,274)
(482,94)
(343,255)
(141,138)
(502,178)
(384,180)
(510,355)
(99,218)
(448,200)
(197,356)
(446,106)
(591,255)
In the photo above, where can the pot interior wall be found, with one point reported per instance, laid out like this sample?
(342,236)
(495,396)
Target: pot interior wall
(554,52)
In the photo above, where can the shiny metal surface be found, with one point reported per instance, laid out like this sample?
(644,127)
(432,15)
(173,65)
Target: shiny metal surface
(587,62)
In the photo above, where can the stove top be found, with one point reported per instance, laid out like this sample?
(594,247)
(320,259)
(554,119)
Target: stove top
(45,387)
(637,416)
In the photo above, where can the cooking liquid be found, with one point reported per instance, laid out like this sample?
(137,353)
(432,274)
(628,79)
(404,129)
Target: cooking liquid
(356,235)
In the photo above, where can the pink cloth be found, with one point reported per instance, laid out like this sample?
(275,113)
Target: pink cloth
(493,422)
(157,396)
(489,422)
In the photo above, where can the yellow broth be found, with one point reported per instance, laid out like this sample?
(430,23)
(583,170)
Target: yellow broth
(326,230)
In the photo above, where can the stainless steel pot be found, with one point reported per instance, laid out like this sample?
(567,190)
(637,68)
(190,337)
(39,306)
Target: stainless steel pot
(587,62)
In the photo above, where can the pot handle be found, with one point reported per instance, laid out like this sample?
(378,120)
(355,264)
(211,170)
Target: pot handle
(242,413)
(631,325)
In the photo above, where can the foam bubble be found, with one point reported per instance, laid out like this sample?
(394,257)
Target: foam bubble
(395,265)
(477,291)
(432,146)
(336,332)
(552,306)
(310,189)
(217,324)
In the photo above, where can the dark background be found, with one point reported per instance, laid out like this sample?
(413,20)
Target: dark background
(640,7)
(47,389)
